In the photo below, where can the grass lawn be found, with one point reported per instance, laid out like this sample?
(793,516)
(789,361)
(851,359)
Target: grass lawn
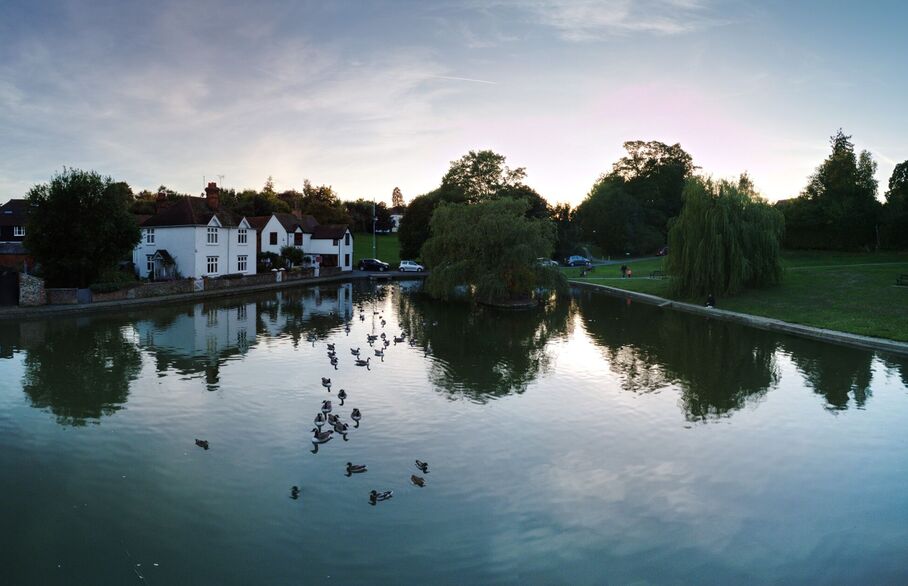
(840,291)
(387,246)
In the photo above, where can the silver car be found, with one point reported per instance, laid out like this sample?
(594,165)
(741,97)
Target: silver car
(410,265)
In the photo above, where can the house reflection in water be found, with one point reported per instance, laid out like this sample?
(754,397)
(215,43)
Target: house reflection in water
(317,310)
(199,339)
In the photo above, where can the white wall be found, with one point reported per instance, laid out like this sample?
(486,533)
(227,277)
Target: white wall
(319,246)
(188,245)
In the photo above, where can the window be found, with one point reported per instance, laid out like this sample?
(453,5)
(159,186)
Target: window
(346,260)
(18,230)
(241,313)
(212,316)
(272,238)
(149,236)
(212,265)
(241,236)
(149,264)
(334,242)
(241,263)
(212,235)
(242,340)
(347,239)
(297,238)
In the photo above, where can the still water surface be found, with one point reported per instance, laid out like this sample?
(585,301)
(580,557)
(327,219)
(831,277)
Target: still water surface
(593,442)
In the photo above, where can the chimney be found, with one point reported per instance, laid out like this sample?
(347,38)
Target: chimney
(212,195)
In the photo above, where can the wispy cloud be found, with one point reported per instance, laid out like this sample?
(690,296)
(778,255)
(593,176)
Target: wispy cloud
(589,20)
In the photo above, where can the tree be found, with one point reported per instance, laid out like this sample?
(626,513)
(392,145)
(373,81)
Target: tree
(479,175)
(567,230)
(895,211)
(360,213)
(414,225)
(79,224)
(615,221)
(838,207)
(490,247)
(322,202)
(397,198)
(726,238)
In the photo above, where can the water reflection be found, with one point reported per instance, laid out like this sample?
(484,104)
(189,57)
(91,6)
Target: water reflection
(840,374)
(719,367)
(482,352)
(79,369)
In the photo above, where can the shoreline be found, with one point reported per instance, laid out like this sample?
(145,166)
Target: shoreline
(41,311)
(756,321)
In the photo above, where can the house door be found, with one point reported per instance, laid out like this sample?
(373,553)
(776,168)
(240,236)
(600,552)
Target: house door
(9,288)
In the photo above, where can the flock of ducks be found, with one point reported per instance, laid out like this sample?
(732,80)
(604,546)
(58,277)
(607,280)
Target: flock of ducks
(327,423)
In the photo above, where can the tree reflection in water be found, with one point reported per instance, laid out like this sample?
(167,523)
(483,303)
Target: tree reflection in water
(719,366)
(80,369)
(839,373)
(481,352)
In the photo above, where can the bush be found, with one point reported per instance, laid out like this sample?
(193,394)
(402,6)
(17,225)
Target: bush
(292,254)
(269,260)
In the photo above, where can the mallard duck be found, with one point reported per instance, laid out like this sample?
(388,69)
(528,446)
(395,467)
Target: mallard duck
(360,362)
(320,419)
(355,468)
(418,480)
(202,444)
(326,407)
(376,496)
(320,437)
(424,466)
(326,382)
(354,352)
(356,415)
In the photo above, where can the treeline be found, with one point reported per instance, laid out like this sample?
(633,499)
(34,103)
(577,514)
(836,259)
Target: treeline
(319,201)
(631,208)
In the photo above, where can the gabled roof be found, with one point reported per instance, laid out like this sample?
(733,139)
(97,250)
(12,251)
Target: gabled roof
(191,211)
(330,232)
(13,212)
(288,221)
(258,222)
(165,257)
(140,218)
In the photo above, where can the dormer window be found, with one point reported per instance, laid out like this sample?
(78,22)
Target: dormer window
(149,236)
(241,236)
(18,230)
(212,235)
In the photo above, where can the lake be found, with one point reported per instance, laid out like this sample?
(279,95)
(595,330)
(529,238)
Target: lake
(592,441)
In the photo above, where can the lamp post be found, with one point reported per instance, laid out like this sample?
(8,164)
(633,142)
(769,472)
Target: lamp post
(374,254)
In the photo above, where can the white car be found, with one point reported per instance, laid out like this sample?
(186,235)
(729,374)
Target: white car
(410,265)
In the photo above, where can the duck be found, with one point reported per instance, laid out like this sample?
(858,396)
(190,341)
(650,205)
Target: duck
(424,466)
(320,437)
(376,496)
(342,394)
(354,352)
(418,480)
(294,492)
(355,468)
(370,338)
(383,336)
(331,348)
(356,415)
(380,353)
(332,419)
(331,353)
(341,427)
(202,444)
(360,362)
(399,339)
(326,382)
(387,343)
(412,342)
(320,419)
(326,407)
(383,322)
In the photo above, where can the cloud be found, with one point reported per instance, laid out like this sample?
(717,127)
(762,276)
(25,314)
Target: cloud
(590,20)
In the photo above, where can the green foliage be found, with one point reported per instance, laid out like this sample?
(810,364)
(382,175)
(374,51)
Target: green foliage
(293,254)
(838,208)
(491,247)
(479,175)
(895,211)
(250,203)
(628,210)
(79,225)
(414,225)
(360,213)
(397,198)
(567,229)
(270,260)
(726,239)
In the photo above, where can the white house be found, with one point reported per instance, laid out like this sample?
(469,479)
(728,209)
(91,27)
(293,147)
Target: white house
(329,245)
(193,237)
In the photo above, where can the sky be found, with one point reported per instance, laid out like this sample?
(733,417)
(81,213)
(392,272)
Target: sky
(368,95)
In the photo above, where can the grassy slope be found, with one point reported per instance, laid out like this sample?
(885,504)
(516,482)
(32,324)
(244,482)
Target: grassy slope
(847,292)
(387,245)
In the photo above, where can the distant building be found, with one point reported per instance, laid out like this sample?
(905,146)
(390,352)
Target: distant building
(194,237)
(396,214)
(329,245)
(13,216)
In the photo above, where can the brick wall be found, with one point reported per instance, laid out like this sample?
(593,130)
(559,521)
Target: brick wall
(31,291)
(61,296)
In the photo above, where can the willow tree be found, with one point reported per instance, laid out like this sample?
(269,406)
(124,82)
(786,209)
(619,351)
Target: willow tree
(726,239)
(491,247)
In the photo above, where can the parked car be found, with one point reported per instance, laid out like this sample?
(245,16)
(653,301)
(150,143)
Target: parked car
(547,262)
(373,264)
(577,261)
(410,265)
